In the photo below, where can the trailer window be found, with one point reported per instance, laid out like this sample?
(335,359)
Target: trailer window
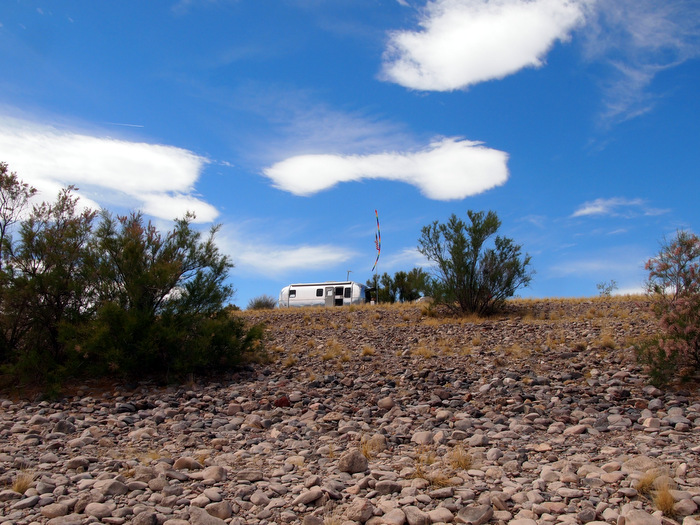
(348,292)
(319,292)
(338,290)
(292,294)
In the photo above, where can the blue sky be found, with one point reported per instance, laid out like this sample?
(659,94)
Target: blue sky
(289,122)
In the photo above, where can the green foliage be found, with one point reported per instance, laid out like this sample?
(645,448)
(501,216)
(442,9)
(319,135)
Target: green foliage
(403,287)
(674,287)
(14,199)
(262,302)
(48,276)
(119,299)
(471,277)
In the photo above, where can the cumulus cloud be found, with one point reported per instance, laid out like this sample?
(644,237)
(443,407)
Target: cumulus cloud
(463,42)
(616,206)
(155,178)
(448,169)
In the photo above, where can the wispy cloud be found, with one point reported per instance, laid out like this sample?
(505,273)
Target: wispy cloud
(448,169)
(254,253)
(464,42)
(639,39)
(158,179)
(616,207)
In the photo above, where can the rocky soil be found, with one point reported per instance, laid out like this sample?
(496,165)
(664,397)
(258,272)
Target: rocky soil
(376,415)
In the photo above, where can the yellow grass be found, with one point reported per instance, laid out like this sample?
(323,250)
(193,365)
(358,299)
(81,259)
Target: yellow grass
(367,350)
(458,458)
(664,500)
(423,351)
(23,481)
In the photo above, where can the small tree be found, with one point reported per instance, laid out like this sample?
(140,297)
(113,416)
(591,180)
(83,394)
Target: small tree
(471,277)
(674,288)
(410,286)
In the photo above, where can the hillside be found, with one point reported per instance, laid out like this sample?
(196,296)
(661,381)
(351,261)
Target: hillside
(377,415)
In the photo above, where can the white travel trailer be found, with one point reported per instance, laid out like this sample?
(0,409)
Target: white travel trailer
(323,294)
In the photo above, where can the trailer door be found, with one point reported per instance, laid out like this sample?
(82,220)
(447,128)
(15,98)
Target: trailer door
(330,296)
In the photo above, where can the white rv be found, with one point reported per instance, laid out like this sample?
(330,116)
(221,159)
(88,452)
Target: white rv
(323,294)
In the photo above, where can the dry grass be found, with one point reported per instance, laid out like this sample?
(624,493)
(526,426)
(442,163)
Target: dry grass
(290,361)
(607,341)
(333,350)
(23,482)
(370,447)
(517,351)
(438,480)
(458,458)
(422,351)
(664,501)
(367,350)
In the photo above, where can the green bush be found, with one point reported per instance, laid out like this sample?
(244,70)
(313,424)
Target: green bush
(472,276)
(119,299)
(674,288)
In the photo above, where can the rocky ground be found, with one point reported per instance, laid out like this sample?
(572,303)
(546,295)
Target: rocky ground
(376,415)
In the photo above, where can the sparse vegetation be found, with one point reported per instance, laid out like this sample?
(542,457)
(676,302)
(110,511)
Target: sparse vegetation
(110,297)
(23,482)
(262,302)
(606,288)
(674,288)
(472,277)
(458,458)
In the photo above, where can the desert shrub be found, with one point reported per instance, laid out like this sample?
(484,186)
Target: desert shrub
(606,288)
(47,285)
(262,302)
(472,276)
(120,298)
(161,303)
(674,289)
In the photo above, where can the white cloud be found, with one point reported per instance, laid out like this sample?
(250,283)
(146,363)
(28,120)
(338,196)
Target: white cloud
(617,207)
(447,170)
(274,260)
(639,39)
(155,178)
(254,252)
(463,42)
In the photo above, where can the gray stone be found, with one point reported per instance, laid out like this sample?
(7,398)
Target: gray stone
(111,487)
(394,517)
(415,516)
(202,517)
(99,510)
(475,514)
(187,462)
(360,509)
(54,510)
(250,475)
(221,509)
(640,517)
(308,496)
(387,487)
(145,518)
(353,461)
